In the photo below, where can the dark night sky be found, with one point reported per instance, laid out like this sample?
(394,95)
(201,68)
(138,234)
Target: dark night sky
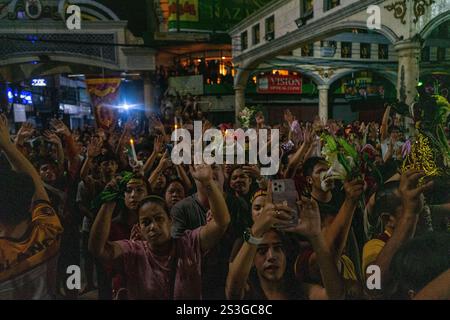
(135,11)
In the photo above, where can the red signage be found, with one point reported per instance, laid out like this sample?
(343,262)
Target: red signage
(276,84)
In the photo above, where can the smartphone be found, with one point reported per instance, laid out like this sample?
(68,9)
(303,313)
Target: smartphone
(284,191)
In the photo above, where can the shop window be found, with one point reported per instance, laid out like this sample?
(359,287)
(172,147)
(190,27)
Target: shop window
(365,50)
(244,41)
(383,51)
(426,54)
(255,34)
(330,4)
(346,50)
(270,28)
(308,50)
(440,54)
(307,9)
(328,48)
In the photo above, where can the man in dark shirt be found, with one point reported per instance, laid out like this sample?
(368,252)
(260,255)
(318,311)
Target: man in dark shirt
(331,201)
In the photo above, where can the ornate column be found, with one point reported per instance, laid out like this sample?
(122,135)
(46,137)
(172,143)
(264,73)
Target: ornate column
(408,70)
(323,102)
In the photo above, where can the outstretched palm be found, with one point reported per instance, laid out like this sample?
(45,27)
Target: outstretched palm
(26,130)
(309,221)
(60,127)
(52,137)
(202,172)
(94,148)
(157,144)
(4,131)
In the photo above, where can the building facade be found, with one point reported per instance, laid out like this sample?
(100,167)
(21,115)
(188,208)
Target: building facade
(46,61)
(350,55)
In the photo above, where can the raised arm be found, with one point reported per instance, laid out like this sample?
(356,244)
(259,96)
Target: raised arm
(125,136)
(157,148)
(438,289)
(412,206)
(337,234)
(299,155)
(184,177)
(240,267)
(71,148)
(309,226)
(18,160)
(389,152)
(54,139)
(25,132)
(213,231)
(385,124)
(93,150)
(163,164)
(99,245)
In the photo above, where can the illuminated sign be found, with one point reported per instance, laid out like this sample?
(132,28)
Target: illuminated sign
(39,83)
(23,96)
(280,84)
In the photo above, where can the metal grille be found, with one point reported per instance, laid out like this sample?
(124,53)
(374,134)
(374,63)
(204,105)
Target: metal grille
(86,45)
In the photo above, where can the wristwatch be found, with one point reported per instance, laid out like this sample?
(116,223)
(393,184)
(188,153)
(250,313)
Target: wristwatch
(249,238)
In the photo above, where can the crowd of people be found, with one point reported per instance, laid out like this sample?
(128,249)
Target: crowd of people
(208,68)
(142,227)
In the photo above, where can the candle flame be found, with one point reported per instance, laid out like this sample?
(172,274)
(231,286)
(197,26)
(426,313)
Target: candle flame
(131,141)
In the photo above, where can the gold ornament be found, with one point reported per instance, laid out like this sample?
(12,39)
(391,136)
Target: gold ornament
(422,158)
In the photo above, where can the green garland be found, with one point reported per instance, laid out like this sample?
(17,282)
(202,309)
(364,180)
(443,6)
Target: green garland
(113,195)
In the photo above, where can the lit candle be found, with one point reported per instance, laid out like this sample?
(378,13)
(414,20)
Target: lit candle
(133,150)
(175,128)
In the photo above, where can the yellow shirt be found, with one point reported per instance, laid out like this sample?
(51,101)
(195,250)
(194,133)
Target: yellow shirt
(28,265)
(372,249)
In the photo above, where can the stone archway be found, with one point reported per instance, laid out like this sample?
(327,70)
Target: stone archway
(434,23)
(245,66)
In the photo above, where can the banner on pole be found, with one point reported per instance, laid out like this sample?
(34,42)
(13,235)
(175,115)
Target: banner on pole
(104,93)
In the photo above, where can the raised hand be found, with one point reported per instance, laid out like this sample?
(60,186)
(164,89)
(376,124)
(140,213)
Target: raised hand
(157,124)
(60,127)
(309,221)
(158,144)
(309,135)
(288,116)
(52,137)
(94,148)
(137,166)
(202,173)
(411,192)
(252,170)
(354,189)
(165,162)
(206,125)
(26,131)
(271,215)
(113,185)
(136,233)
(5,138)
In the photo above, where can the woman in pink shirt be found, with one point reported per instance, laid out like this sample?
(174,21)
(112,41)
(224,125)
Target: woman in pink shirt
(160,267)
